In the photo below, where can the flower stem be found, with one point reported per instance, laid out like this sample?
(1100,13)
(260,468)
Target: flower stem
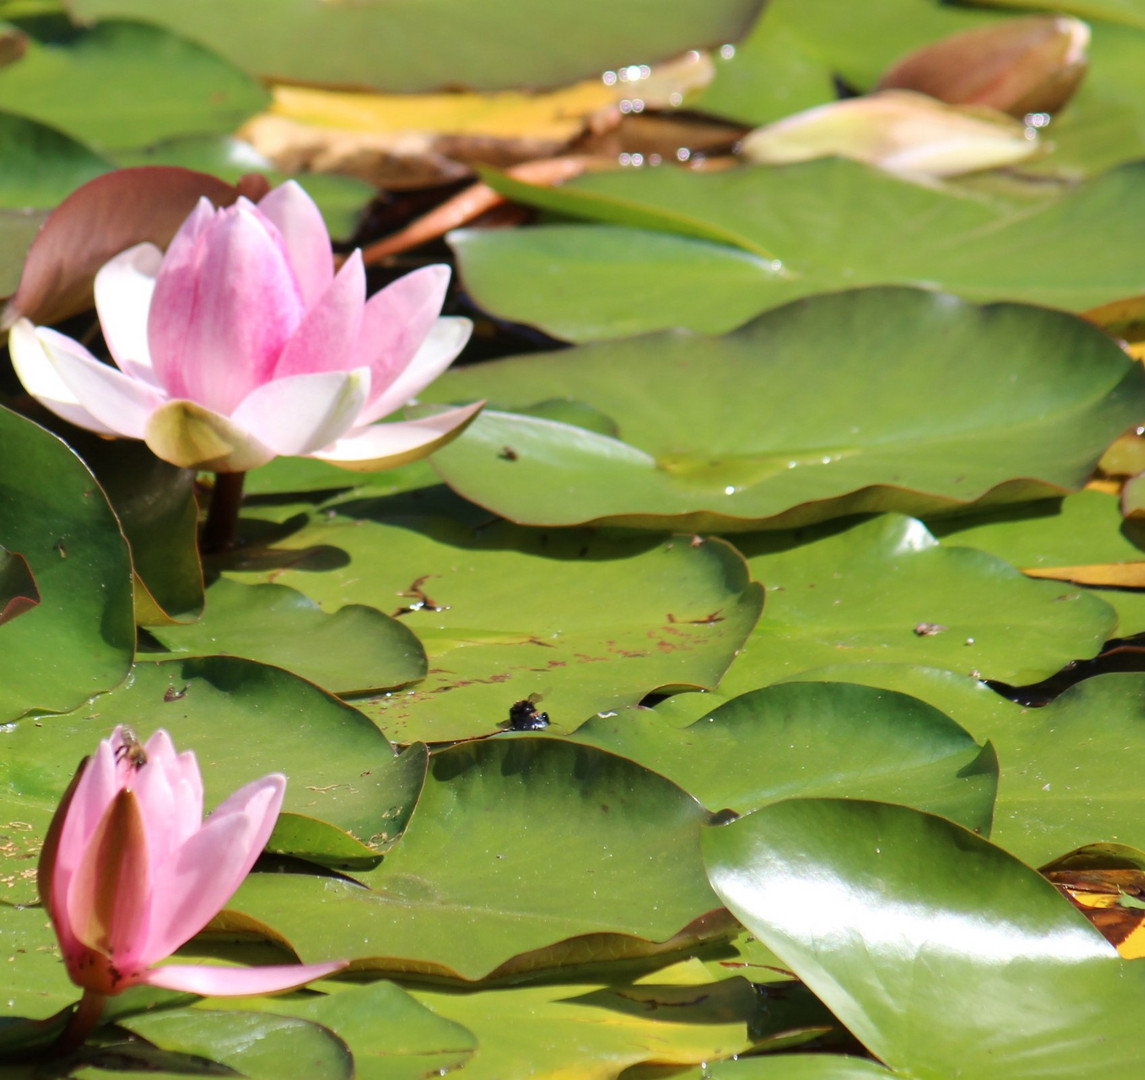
(223,513)
(82,1023)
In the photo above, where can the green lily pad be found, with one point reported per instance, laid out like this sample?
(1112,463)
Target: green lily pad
(243,720)
(156,507)
(640,280)
(609,860)
(42,165)
(589,622)
(254,1044)
(355,649)
(80,637)
(799,1067)
(810,740)
(762,426)
(127,84)
(886,591)
(544,1031)
(829,224)
(1083,529)
(391,1035)
(942,953)
(18,228)
(415,45)
(1068,770)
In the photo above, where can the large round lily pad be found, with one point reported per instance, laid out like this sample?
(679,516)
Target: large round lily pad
(867,400)
(517,844)
(79,639)
(588,622)
(813,739)
(826,225)
(943,954)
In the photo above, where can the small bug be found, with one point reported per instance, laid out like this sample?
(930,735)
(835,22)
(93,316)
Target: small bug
(131,750)
(523,715)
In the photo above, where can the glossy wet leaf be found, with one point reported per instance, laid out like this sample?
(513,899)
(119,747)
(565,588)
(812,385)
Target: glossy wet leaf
(370,44)
(885,591)
(799,1067)
(943,954)
(588,622)
(354,649)
(243,720)
(42,165)
(80,637)
(833,225)
(811,740)
(127,84)
(609,856)
(763,425)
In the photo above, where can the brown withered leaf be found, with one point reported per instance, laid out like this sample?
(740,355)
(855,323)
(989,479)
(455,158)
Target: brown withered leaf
(105,216)
(402,141)
(1123,575)
(1025,65)
(1106,883)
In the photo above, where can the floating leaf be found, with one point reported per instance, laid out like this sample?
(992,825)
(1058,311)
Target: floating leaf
(369,44)
(127,84)
(253,1044)
(831,225)
(244,720)
(609,859)
(533,1030)
(355,649)
(941,952)
(588,622)
(886,591)
(763,426)
(42,165)
(810,740)
(79,639)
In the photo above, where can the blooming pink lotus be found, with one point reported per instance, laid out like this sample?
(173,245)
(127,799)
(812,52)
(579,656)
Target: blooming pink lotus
(130,871)
(242,343)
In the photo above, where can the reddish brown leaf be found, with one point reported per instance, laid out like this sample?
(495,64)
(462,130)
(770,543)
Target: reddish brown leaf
(104,217)
(1020,66)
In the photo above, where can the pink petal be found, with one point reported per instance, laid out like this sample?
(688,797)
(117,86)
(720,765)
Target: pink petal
(108,901)
(215,981)
(191,888)
(327,338)
(193,437)
(446,338)
(302,413)
(397,320)
(123,290)
(35,369)
(93,795)
(304,233)
(223,310)
(384,446)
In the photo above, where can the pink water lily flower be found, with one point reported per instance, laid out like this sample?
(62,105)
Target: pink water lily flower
(241,343)
(130,871)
